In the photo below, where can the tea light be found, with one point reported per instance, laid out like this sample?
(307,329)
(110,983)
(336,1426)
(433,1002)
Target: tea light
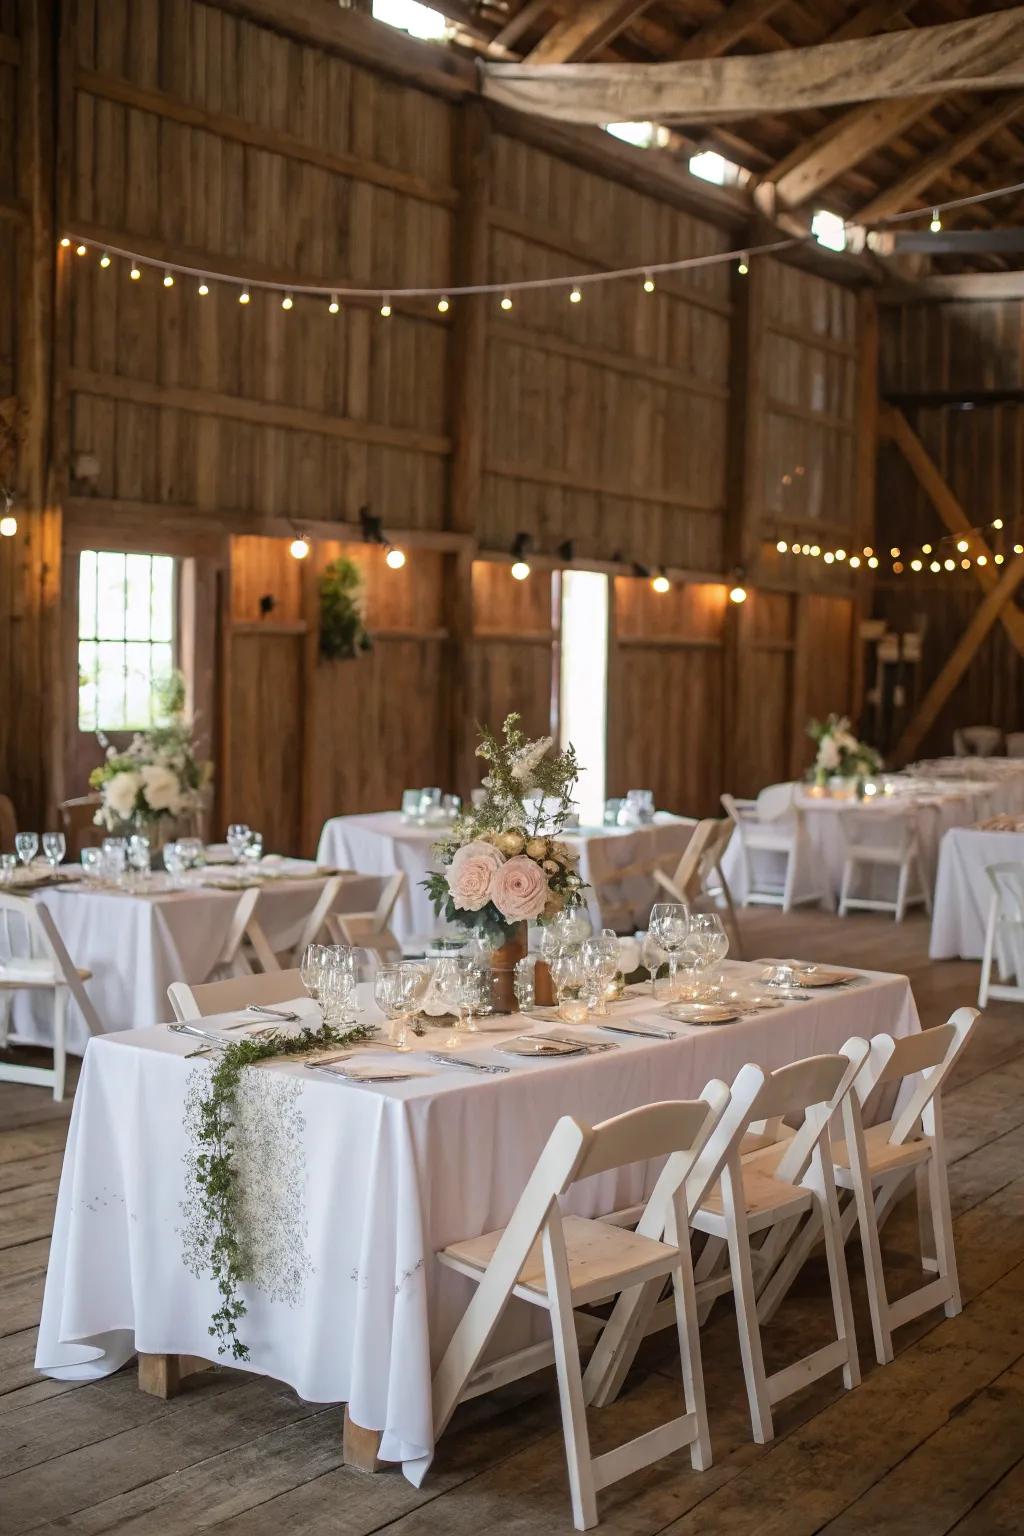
(573,1010)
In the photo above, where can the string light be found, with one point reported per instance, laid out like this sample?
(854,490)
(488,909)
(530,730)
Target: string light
(443,305)
(649,284)
(65,242)
(873,562)
(286,302)
(243,297)
(936,223)
(982,559)
(105,259)
(829,557)
(997,522)
(738,594)
(854,562)
(926,549)
(782,546)
(935,566)
(840,554)
(395,558)
(795,549)
(520,570)
(998,559)
(743,265)
(299,547)
(897,567)
(951,564)
(385,308)
(168,279)
(661,583)
(917,565)
(134,274)
(203,290)
(894,552)
(868,551)
(575,297)
(80,250)
(805,549)
(333,306)
(506,301)
(1018,549)
(962,545)
(815,550)
(965,565)
(8,526)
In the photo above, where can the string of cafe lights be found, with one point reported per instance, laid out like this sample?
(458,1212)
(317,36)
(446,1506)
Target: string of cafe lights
(949,552)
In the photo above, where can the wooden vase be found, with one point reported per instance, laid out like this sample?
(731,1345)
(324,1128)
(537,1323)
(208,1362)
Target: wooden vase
(503,969)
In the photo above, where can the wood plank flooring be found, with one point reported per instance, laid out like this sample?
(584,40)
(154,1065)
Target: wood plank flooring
(933,1443)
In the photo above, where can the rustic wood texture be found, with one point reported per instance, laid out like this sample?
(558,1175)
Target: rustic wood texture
(930,1444)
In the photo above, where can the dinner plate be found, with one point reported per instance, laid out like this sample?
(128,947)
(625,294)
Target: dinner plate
(825,978)
(538,1045)
(702,1013)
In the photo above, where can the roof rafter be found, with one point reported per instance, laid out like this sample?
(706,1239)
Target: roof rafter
(841,144)
(722,32)
(589,27)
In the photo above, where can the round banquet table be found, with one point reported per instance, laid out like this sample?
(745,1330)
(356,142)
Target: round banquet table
(963,890)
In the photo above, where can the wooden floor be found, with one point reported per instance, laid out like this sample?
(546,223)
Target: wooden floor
(930,1444)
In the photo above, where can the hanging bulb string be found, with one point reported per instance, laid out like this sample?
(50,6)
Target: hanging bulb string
(934,208)
(573,281)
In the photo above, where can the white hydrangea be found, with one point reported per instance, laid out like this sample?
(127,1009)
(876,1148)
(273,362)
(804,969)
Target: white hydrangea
(161,788)
(121,791)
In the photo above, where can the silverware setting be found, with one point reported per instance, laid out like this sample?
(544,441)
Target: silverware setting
(645,1033)
(468,1066)
(272,1013)
(588,1045)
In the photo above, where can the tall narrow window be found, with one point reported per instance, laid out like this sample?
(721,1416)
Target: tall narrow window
(584,684)
(125,637)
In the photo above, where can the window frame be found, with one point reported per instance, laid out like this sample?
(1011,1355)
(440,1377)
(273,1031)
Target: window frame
(120,733)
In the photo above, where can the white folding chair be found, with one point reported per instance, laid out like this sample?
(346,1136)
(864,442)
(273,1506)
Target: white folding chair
(234,993)
(1004,935)
(899,853)
(560,1262)
(698,878)
(977,741)
(34,959)
(233,959)
(361,911)
(913,1141)
(774,848)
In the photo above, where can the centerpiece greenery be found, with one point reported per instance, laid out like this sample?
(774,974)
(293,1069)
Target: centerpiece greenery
(217,1177)
(839,753)
(504,863)
(158,777)
(342,627)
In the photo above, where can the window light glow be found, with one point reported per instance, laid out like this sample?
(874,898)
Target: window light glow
(829,230)
(409,16)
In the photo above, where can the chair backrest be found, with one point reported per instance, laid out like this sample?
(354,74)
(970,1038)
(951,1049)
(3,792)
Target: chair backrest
(685,882)
(240,920)
(1015,743)
(865,828)
(235,993)
(30,933)
(775,802)
(977,740)
(8,824)
(317,917)
(931,1053)
(361,914)
(738,811)
(78,822)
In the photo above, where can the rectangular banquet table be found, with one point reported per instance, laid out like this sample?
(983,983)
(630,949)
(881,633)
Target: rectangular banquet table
(963,890)
(354,1188)
(136,944)
(384,844)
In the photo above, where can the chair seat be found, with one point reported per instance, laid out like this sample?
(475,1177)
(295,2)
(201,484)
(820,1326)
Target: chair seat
(882,1155)
(769,842)
(765,1197)
(12,980)
(602,1257)
(866,853)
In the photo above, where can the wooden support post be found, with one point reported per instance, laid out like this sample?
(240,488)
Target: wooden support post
(892,424)
(360,1446)
(991,609)
(163,1375)
(866,443)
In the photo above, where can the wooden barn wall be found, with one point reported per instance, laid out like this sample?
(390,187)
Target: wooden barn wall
(201,427)
(960,349)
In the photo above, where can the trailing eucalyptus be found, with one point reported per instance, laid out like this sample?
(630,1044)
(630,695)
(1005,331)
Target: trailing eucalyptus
(230,1261)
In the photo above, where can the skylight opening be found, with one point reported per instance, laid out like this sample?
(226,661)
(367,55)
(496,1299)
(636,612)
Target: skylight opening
(643,135)
(829,230)
(709,165)
(409,16)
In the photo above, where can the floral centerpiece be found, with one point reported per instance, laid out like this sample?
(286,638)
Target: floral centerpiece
(504,863)
(158,778)
(840,754)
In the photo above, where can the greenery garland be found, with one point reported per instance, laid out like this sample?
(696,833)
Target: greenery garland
(230,1261)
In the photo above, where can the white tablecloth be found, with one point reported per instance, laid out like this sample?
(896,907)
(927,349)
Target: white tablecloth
(383,844)
(963,890)
(360,1185)
(136,945)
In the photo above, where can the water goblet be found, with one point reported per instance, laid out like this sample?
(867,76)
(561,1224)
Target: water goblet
(387,994)
(464,991)
(139,855)
(238,836)
(652,958)
(567,978)
(253,850)
(311,974)
(54,847)
(26,845)
(8,865)
(115,857)
(670,924)
(708,942)
(92,863)
(599,957)
(522,983)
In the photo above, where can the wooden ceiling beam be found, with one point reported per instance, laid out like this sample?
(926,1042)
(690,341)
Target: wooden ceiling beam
(866,20)
(587,28)
(517,26)
(722,32)
(841,144)
(904,192)
(981,286)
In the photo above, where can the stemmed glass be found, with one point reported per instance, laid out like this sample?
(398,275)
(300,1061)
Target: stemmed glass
(670,924)
(567,978)
(599,957)
(238,837)
(708,942)
(26,846)
(253,850)
(139,856)
(398,991)
(115,858)
(8,864)
(54,847)
(463,988)
(311,974)
(652,958)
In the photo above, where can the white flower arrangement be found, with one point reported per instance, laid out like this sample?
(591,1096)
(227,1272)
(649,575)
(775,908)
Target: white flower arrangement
(505,864)
(839,751)
(158,775)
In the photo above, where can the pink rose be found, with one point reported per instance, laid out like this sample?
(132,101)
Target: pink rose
(471,875)
(519,890)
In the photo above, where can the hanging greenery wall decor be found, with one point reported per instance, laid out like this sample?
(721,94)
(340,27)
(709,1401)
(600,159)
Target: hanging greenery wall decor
(342,630)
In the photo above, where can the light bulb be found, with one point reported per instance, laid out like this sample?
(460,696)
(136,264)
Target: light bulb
(65,242)
(134,274)
(805,549)
(782,546)
(926,549)
(385,309)
(648,284)
(575,297)
(105,259)
(815,550)
(203,290)
(506,302)
(998,559)
(286,302)
(868,550)
(520,570)
(1018,549)
(738,594)
(936,223)
(8,526)
(299,547)
(873,562)
(855,562)
(982,560)
(829,557)
(395,558)
(743,265)
(935,566)
(894,552)
(963,546)
(168,280)
(79,250)
(998,523)
(661,584)
(243,297)
(951,564)
(443,305)
(794,549)
(841,554)
(965,564)
(897,567)
(917,565)
(333,306)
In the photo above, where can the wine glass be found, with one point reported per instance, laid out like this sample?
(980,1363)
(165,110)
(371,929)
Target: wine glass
(567,978)
(708,942)
(599,958)
(311,972)
(92,863)
(463,984)
(54,847)
(139,855)
(115,857)
(253,850)
(387,994)
(670,923)
(238,837)
(8,864)
(652,958)
(26,845)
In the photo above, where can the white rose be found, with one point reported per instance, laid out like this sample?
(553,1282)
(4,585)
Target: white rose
(161,788)
(121,791)
(828,754)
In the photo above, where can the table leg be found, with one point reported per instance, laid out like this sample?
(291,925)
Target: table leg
(360,1446)
(163,1375)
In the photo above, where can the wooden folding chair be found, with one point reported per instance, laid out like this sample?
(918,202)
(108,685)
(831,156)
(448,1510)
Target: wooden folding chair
(234,993)
(560,1262)
(912,1141)
(699,873)
(366,928)
(35,959)
(1004,935)
(233,959)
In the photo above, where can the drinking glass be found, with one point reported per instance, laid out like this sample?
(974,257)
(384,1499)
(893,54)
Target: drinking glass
(115,857)
(173,862)
(253,850)
(599,958)
(430,799)
(451,805)
(337,982)
(410,804)
(238,837)
(92,863)
(192,852)
(670,924)
(26,845)
(522,983)
(8,864)
(311,974)
(611,812)
(464,990)
(652,958)
(708,942)
(413,986)
(567,979)
(54,848)
(398,991)
(139,853)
